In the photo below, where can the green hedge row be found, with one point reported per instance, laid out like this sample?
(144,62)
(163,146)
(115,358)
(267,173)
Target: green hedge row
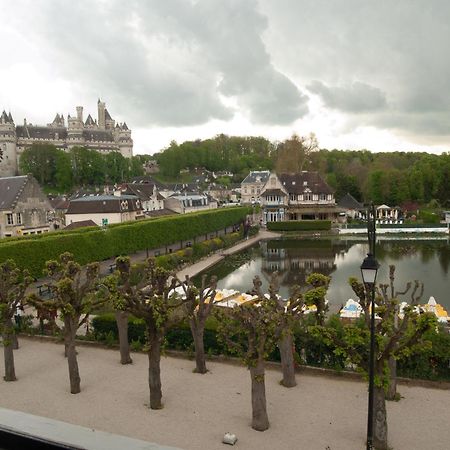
(177,338)
(99,244)
(300,225)
(431,363)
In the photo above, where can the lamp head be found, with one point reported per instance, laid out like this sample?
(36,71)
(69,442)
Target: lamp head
(369,269)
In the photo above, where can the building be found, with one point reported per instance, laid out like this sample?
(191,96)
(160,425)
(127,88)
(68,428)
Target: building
(252,185)
(189,202)
(24,208)
(102,134)
(300,196)
(353,209)
(104,209)
(148,194)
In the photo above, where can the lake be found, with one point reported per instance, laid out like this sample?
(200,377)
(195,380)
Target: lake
(427,260)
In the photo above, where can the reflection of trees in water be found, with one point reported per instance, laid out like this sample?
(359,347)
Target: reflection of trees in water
(229,265)
(295,260)
(426,250)
(396,250)
(444,257)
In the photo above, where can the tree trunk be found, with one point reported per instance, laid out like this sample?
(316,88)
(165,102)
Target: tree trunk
(154,372)
(200,361)
(379,420)
(10,373)
(287,360)
(15,341)
(71,353)
(122,327)
(260,420)
(392,388)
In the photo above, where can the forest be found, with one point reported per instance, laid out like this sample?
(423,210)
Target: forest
(395,178)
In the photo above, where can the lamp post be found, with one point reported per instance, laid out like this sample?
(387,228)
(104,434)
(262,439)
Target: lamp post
(369,269)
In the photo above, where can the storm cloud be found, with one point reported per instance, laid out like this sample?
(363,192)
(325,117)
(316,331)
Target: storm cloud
(184,63)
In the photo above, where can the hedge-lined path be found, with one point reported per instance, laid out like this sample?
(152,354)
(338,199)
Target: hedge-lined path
(191,270)
(319,413)
(205,263)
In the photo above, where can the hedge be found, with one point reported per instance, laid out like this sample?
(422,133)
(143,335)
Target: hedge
(430,364)
(300,225)
(100,244)
(177,338)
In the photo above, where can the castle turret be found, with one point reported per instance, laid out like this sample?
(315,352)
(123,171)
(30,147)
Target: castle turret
(8,146)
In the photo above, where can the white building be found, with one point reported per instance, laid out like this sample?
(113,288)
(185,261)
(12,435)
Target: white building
(104,209)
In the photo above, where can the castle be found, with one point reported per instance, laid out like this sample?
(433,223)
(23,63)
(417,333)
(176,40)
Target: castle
(103,135)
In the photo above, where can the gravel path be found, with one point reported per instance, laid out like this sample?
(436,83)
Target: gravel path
(320,413)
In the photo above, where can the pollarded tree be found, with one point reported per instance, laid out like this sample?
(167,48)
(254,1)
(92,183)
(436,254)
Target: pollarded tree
(148,293)
(74,294)
(291,312)
(198,308)
(316,295)
(249,331)
(13,284)
(396,336)
(116,300)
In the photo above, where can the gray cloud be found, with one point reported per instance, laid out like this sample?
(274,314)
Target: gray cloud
(356,98)
(399,48)
(168,63)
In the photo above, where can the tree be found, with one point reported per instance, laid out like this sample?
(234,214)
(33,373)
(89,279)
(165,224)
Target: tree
(118,303)
(391,341)
(13,284)
(250,332)
(40,160)
(294,154)
(198,308)
(74,293)
(290,313)
(148,294)
(316,295)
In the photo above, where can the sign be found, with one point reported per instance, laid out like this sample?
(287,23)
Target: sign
(104,222)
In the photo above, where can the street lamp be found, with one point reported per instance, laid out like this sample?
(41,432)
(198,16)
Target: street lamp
(369,269)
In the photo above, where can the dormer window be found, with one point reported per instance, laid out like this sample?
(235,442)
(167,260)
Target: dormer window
(293,183)
(305,183)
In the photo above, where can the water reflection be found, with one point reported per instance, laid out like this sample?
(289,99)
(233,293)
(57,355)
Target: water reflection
(294,260)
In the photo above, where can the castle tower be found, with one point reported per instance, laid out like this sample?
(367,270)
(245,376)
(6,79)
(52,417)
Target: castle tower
(101,114)
(80,113)
(8,146)
(125,141)
(75,129)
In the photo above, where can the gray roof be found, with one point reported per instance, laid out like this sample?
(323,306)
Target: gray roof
(349,202)
(6,118)
(37,132)
(10,190)
(257,176)
(143,190)
(107,115)
(104,204)
(89,121)
(297,183)
(98,135)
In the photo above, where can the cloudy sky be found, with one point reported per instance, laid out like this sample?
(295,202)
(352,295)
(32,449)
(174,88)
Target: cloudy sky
(369,74)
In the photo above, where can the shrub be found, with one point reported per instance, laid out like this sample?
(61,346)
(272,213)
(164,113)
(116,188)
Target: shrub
(300,225)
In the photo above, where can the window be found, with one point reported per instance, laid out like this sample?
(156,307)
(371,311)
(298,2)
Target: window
(9,219)
(19,218)
(307,197)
